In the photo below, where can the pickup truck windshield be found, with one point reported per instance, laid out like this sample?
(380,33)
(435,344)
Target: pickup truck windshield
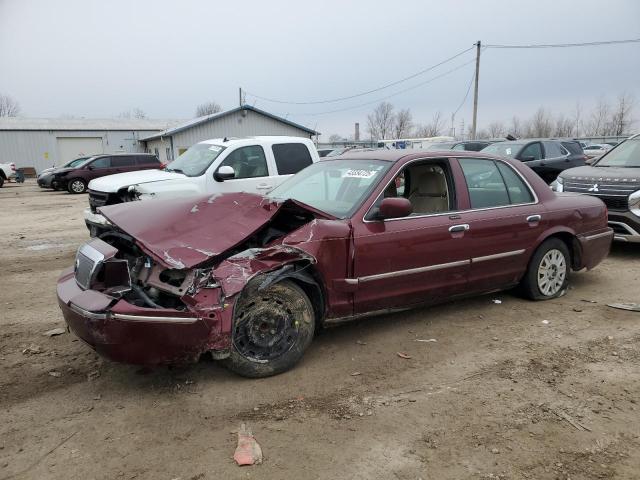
(337,187)
(195,161)
(626,155)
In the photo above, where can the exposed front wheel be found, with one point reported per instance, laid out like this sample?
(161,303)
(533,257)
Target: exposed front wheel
(548,273)
(271,330)
(77,185)
(1,181)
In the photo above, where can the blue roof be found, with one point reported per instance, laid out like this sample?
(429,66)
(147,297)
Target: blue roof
(207,118)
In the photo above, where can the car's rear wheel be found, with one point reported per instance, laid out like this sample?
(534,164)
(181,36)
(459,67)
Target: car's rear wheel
(548,273)
(1,181)
(77,185)
(272,329)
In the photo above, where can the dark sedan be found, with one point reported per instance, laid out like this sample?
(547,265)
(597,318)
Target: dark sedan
(249,278)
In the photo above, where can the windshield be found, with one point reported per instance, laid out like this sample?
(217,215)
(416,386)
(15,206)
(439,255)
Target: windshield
(503,149)
(76,162)
(337,187)
(627,155)
(195,161)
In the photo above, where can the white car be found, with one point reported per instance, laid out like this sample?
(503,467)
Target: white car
(7,171)
(596,150)
(251,164)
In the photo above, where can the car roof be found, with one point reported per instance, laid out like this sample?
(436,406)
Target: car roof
(397,155)
(233,141)
(118,154)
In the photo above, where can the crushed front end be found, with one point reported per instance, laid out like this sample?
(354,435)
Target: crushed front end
(131,308)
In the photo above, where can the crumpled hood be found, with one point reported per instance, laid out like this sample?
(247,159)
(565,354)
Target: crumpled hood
(113,183)
(184,232)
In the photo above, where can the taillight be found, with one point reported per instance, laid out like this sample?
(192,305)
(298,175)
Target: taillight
(163,166)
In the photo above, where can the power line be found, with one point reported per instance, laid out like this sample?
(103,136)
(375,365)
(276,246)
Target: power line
(389,96)
(566,45)
(340,99)
(466,94)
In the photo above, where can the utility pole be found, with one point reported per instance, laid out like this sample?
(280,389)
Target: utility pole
(474,125)
(453,128)
(240,96)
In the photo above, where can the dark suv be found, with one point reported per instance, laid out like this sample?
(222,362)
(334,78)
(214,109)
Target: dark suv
(546,157)
(615,179)
(75,179)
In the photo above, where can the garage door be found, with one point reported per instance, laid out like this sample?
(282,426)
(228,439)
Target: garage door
(74,147)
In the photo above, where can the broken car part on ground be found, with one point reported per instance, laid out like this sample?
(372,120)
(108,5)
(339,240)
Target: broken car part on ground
(249,278)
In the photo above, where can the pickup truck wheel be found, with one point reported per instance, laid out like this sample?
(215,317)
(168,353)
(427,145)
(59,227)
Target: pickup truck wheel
(77,185)
(1,181)
(272,329)
(548,273)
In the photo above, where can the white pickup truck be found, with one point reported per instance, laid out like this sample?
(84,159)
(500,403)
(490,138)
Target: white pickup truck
(7,171)
(251,164)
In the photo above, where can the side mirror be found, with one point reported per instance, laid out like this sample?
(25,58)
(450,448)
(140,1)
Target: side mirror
(395,207)
(90,167)
(224,173)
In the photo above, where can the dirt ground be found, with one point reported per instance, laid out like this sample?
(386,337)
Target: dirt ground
(512,390)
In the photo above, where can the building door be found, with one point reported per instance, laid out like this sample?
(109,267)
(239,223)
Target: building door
(70,148)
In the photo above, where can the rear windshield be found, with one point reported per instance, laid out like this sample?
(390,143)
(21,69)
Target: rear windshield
(626,155)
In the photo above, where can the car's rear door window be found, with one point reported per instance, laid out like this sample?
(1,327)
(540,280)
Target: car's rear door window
(247,162)
(518,191)
(291,157)
(123,161)
(552,150)
(485,183)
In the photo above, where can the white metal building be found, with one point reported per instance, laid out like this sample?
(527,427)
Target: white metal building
(42,143)
(245,121)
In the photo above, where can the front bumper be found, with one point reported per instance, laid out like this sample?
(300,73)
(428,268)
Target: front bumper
(626,226)
(44,181)
(126,333)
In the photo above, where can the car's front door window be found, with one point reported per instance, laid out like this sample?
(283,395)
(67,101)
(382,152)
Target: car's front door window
(247,162)
(533,151)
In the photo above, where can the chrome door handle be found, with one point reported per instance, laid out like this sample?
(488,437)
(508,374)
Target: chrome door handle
(459,228)
(534,218)
(263,186)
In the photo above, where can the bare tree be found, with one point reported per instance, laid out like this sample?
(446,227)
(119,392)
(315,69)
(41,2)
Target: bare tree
(335,138)
(541,124)
(9,107)
(208,108)
(564,126)
(621,119)
(138,113)
(577,118)
(515,128)
(598,123)
(380,121)
(403,124)
(496,129)
(433,128)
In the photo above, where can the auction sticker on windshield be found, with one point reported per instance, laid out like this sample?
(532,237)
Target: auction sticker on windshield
(359,174)
(215,148)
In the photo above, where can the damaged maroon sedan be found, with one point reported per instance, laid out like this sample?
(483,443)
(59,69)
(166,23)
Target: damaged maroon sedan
(249,278)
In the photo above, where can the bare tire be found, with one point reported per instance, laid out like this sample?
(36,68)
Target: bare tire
(77,185)
(272,329)
(548,273)
(1,181)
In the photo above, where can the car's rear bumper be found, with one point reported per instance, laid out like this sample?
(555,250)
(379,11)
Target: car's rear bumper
(123,332)
(626,226)
(594,247)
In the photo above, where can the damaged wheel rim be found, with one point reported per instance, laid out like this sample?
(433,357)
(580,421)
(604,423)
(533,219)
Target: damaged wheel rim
(265,330)
(552,272)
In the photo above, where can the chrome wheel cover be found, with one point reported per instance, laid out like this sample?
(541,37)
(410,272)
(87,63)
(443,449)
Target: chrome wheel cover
(552,272)
(77,186)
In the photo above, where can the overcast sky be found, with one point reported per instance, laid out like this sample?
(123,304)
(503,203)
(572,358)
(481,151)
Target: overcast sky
(97,58)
